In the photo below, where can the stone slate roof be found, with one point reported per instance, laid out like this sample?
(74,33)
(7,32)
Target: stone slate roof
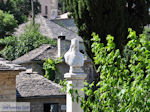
(8,66)
(67,23)
(35,85)
(50,29)
(38,54)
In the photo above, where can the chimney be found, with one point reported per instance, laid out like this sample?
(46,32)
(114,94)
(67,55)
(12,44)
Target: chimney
(61,46)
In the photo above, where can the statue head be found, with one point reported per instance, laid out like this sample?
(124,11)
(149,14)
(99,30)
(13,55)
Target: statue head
(74,47)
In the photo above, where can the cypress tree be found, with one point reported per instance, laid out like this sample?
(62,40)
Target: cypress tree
(108,17)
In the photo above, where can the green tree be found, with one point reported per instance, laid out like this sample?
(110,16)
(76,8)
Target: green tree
(18,46)
(20,8)
(7,24)
(108,17)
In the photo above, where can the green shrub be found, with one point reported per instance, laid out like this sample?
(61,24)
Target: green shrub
(31,39)
(7,24)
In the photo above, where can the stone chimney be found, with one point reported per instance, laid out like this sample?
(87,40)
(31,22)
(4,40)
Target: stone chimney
(8,74)
(61,46)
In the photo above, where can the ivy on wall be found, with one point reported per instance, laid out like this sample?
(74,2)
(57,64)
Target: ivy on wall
(50,68)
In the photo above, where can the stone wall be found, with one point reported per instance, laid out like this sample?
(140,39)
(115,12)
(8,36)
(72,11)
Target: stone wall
(89,70)
(37,104)
(8,86)
(34,67)
(62,69)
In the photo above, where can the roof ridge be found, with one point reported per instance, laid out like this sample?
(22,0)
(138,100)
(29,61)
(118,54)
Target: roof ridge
(39,53)
(35,54)
(8,65)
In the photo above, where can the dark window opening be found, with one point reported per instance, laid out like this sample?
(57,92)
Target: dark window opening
(50,107)
(46,10)
(40,9)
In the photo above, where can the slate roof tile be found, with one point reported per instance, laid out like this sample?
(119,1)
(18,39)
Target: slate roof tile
(8,65)
(33,85)
(50,29)
(38,54)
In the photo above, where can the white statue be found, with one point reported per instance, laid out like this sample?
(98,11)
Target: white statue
(74,58)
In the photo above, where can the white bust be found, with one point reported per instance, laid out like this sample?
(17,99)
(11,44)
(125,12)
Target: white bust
(74,58)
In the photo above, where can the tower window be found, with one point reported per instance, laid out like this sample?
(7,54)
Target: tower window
(46,10)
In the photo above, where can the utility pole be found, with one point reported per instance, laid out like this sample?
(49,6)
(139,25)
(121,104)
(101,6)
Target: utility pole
(33,15)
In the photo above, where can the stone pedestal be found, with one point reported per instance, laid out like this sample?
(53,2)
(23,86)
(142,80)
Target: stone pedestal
(77,80)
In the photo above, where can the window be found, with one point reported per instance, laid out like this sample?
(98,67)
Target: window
(46,10)
(53,13)
(40,8)
(50,107)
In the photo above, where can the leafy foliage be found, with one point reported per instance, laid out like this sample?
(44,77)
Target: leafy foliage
(20,8)
(128,52)
(146,32)
(124,86)
(108,17)
(7,24)
(50,69)
(18,46)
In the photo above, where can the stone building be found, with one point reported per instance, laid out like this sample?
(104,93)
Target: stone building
(49,8)
(33,62)
(43,94)
(54,29)
(62,31)
(8,72)
(19,85)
